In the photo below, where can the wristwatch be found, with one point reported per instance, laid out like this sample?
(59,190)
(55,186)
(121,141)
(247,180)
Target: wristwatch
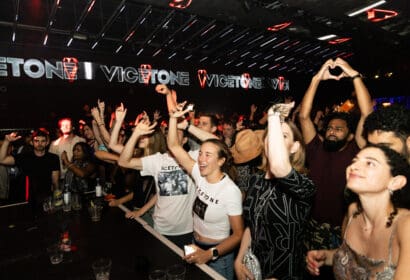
(215,253)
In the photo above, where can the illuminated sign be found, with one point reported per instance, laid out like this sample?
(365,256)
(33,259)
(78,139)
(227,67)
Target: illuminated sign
(71,69)
(70,65)
(202,77)
(145,70)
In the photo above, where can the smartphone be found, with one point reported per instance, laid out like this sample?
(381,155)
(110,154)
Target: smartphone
(188,249)
(190,107)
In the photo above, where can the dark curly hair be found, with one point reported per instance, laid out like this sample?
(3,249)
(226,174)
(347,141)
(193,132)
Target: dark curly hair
(398,166)
(395,118)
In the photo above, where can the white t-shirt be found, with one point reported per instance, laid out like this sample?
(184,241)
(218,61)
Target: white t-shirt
(60,145)
(175,191)
(213,205)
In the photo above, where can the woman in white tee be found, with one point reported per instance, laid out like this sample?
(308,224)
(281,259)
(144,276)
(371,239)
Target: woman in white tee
(218,224)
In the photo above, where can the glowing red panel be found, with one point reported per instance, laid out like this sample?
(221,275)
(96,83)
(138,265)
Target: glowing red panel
(202,74)
(339,41)
(180,4)
(145,70)
(280,26)
(70,65)
(376,15)
(281,83)
(245,80)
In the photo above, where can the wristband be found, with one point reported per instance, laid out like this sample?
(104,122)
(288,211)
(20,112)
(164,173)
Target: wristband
(358,75)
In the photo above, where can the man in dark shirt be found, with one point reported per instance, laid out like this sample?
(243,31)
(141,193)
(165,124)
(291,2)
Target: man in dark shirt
(328,156)
(41,168)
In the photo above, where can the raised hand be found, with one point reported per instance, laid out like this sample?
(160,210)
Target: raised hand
(162,89)
(324,73)
(348,71)
(179,110)
(283,109)
(12,137)
(120,113)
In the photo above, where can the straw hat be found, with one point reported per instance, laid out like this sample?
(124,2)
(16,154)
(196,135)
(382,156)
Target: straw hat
(248,145)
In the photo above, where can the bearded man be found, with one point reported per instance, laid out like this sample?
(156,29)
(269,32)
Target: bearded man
(328,156)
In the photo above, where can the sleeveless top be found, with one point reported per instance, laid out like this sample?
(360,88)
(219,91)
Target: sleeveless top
(348,264)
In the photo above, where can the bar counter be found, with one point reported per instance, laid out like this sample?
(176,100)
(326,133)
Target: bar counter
(134,247)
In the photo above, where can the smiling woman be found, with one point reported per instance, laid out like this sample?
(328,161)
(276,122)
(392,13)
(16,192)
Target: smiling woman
(217,210)
(377,225)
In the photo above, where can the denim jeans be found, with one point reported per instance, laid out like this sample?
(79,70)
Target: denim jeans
(223,265)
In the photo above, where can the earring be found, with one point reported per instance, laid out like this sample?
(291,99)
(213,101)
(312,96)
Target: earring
(390,192)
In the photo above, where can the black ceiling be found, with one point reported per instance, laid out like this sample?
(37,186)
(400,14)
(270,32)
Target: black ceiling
(223,33)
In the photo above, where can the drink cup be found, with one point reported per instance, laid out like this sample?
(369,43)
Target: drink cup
(76,201)
(157,274)
(102,268)
(55,254)
(176,272)
(95,212)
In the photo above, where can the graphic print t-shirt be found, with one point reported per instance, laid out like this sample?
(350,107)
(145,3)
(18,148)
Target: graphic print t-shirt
(175,191)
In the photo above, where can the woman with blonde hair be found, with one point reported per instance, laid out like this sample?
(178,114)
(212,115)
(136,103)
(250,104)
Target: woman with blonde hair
(277,204)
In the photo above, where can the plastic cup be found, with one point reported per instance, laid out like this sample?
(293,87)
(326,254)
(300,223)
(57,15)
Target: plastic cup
(76,201)
(95,212)
(157,274)
(55,253)
(176,272)
(102,268)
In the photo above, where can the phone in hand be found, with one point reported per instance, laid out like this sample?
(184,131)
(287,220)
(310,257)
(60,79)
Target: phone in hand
(189,249)
(190,107)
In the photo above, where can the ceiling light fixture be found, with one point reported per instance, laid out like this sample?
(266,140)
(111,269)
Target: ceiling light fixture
(326,37)
(45,40)
(339,41)
(364,9)
(180,4)
(376,15)
(280,26)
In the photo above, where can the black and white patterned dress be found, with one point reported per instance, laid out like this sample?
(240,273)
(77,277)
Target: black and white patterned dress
(276,211)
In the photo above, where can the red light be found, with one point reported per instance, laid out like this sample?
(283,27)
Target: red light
(202,75)
(91,6)
(339,41)
(180,4)
(245,80)
(145,70)
(281,82)
(70,65)
(376,15)
(280,26)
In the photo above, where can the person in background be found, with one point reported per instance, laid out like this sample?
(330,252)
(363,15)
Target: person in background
(328,156)
(278,202)
(174,188)
(389,126)
(247,156)
(81,170)
(41,167)
(65,143)
(218,224)
(376,228)
(228,132)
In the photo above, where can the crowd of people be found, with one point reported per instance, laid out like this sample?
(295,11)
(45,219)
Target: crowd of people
(310,195)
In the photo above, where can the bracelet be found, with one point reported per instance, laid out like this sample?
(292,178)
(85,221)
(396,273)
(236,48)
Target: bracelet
(358,75)
(187,127)
(100,124)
